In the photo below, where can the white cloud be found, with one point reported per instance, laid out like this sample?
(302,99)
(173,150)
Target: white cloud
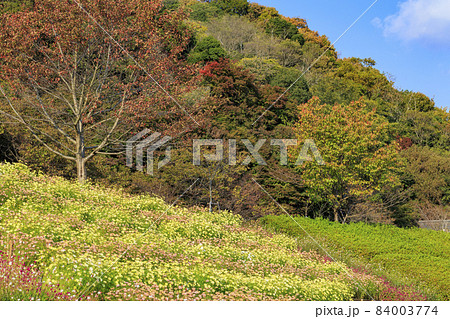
(427,20)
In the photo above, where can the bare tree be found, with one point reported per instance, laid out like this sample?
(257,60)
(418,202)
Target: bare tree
(72,75)
(233,32)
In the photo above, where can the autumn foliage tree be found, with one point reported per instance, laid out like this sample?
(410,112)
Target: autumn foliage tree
(81,75)
(359,162)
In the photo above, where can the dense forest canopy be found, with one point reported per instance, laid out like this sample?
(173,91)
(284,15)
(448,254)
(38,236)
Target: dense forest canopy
(229,61)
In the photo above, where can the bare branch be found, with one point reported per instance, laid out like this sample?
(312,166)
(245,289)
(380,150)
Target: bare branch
(32,129)
(50,119)
(106,139)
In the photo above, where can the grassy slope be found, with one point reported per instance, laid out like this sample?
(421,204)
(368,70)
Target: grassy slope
(410,256)
(57,236)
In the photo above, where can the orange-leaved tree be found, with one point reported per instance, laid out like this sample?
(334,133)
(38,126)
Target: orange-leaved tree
(81,75)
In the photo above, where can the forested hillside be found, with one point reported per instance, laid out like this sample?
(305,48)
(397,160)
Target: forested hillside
(82,220)
(241,71)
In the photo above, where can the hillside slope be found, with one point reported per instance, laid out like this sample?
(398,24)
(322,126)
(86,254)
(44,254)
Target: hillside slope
(64,240)
(245,72)
(57,237)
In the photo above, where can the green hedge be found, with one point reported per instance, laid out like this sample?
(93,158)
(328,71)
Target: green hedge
(419,256)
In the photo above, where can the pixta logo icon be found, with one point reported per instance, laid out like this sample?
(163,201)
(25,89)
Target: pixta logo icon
(150,144)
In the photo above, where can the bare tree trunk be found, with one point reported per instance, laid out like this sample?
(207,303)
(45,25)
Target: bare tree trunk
(80,155)
(336,215)
(81,169)
(210,195)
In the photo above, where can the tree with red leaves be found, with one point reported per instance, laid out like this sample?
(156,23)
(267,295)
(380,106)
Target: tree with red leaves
(79,75)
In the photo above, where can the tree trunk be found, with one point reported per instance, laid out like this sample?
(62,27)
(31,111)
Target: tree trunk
(210,195)
(80,156)
(81,169)
(336,215)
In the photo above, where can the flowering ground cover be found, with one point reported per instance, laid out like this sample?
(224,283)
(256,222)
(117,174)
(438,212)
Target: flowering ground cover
(417,258)
(61,240)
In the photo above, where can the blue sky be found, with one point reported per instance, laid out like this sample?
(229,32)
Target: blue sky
(409,39)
